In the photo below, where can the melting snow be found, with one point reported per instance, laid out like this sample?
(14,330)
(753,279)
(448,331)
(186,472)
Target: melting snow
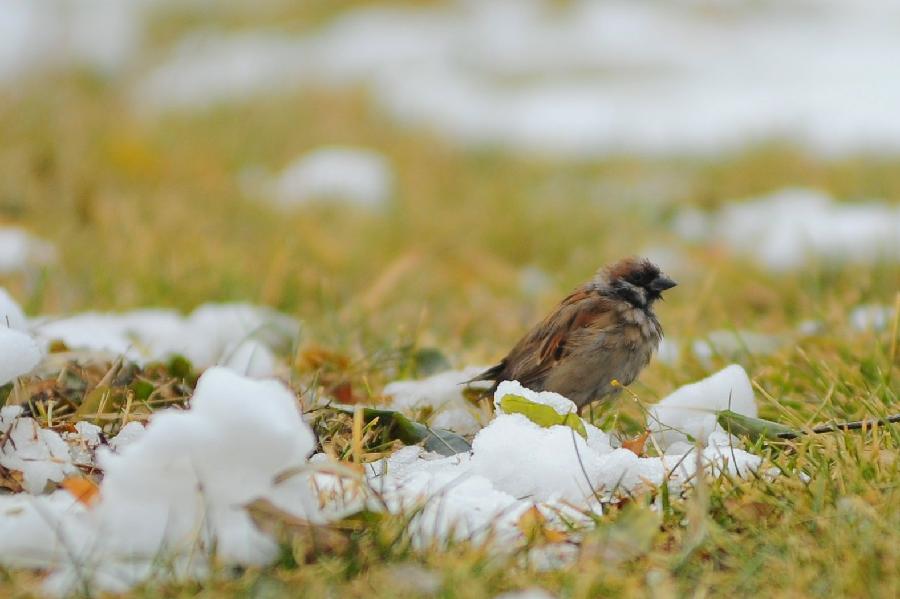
(358,176)
(785,230)
(176,492)
(239,335)
(443,393)
(21,251)
(587,79)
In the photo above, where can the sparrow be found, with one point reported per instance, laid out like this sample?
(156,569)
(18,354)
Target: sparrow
(602,332)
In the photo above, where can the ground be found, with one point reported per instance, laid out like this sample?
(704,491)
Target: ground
(149,212)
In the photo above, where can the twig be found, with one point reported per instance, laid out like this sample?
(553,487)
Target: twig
(845,426)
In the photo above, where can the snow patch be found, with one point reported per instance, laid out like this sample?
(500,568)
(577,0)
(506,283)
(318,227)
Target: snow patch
(358,176)
(785,230)
(689,413)
(20,251)
(238,335)
(38,453)
(174,493)
(581,80)
(443,393)
(19,354)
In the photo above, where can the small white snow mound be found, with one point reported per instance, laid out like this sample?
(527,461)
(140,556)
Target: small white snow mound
(38,453)
(786,229)
(691,409)
(232,334)
(251,358)
(556,401)
(20,251)
(174,493)
(361,177)
(443,393)
(871,317)
(19,354)
(11,315)
(526,460)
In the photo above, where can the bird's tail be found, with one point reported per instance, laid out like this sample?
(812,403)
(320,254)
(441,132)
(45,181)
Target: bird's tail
(491,374)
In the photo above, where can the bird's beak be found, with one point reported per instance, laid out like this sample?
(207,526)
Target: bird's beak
(661,283)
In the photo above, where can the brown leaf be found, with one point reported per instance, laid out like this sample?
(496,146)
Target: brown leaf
(317,358)
(11,480)
(82,489)
(313,539)
(343,393)
(533,524)
(636,445)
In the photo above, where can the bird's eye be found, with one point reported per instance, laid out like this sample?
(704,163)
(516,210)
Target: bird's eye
(641,278)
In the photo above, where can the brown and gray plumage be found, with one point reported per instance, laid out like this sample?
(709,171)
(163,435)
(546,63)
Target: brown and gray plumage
(605,330)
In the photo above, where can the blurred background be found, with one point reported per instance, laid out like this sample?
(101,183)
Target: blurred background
(440,173)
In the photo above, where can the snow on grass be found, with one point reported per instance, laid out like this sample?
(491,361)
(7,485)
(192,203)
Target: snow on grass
(355,175)
(689,413)
(239,335)
(442,393)
(20,251)
(36,35)
(581,80)
(178,490)
(871,317)
(516,464)
(171,495)
(19,354)
(39,454)
(791,227)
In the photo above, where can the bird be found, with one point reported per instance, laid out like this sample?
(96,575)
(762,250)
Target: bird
(604,331)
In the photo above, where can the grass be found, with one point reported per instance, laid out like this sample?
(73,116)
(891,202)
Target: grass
(150,212)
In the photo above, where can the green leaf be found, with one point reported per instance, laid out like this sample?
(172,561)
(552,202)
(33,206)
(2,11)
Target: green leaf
(541,414)
(754,428)
(410,432)
(428,361)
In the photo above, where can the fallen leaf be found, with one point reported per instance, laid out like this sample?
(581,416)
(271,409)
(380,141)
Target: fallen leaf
(313,539)
(533,524)
(82,489)
(636,445)
(541,414)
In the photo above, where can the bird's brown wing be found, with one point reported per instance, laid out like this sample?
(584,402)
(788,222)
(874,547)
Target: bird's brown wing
(556,336)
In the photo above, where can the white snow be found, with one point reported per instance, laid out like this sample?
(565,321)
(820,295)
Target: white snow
(516,464)
(591,77)
(443,393)
(239,335)
(38,453)
(19,354)
(11,314)
(355,175)
(20,251)
(789,228)
(871,317)
(690,411)
(178,489)
(175,493)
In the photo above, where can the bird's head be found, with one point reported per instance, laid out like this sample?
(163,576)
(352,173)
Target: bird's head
(635,280)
